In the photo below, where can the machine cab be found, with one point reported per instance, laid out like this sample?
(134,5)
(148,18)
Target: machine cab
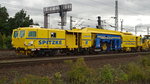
(146,38)
(18,37)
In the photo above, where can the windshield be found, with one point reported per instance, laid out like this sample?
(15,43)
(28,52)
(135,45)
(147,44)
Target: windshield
(147,37)
(15,34)
(22,33)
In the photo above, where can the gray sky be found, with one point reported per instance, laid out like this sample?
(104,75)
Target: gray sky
(132,11)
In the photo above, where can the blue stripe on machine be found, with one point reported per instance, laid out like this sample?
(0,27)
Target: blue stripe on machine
(47,38)
(87,39)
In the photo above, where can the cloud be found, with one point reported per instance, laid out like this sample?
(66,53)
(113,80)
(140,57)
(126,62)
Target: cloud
(132,11)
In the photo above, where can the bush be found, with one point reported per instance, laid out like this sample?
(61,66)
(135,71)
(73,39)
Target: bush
(57,79)
(135,72)
(30,79)
(106,75)
(80,73)
(1,41)
(145,61)
(5,41)
(120,75)
(8,42)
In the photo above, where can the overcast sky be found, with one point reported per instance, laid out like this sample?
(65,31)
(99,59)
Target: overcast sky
(85,12)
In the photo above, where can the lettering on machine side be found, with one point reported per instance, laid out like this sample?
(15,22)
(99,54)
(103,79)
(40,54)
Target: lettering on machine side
(50,42)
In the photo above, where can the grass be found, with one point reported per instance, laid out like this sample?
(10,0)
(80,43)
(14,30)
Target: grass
(80,73)
(31,79)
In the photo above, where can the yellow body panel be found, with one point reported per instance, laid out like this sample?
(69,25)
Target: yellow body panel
(71,41)
(128,41)
(86,39)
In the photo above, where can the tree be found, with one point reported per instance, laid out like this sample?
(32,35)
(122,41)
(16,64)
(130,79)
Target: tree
(21,19)
(3,19)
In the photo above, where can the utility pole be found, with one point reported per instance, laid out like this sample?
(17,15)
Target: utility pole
(135,30)
(121,25)
(71,22)
(99,23)
(116,15)
(147,30)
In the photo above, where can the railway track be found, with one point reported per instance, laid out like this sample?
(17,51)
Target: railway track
(42,60)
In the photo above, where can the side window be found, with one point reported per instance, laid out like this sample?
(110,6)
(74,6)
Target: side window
(16,34)
(32,34)
(22,33)
(53,35)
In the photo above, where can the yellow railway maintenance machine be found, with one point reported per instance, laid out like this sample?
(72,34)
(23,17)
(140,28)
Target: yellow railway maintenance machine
(41,41)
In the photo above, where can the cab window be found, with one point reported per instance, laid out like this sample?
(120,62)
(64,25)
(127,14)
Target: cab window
(32,34)
(15,34)
(53,35)
(22,33)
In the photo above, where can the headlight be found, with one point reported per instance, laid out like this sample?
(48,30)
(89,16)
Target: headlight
(30,43)
(25,43)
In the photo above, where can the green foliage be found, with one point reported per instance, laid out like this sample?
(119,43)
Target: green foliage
(57,79)
(68,62)
(106,75)
(1,40)
(145,61)
(80,73)
(5,41)
(135,72)
(3,19)
(3,80)
(21,19)
(121,76)
(8,42)
(30,79)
